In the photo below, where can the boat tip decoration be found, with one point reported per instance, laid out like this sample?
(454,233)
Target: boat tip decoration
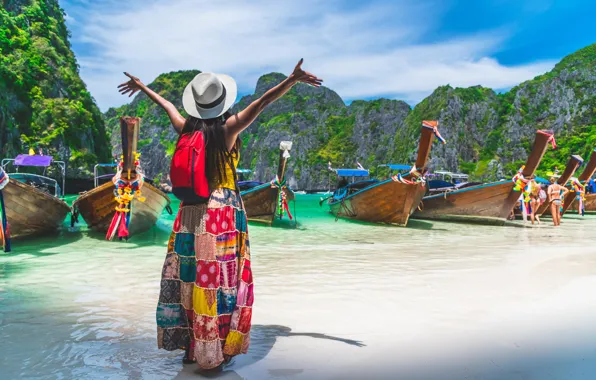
(415,173)
(519,180)
(434,126)
(551,138)
(126,190)
(282,201)
(286,146)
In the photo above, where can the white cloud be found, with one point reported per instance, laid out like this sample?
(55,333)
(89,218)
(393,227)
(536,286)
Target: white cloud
(365,52)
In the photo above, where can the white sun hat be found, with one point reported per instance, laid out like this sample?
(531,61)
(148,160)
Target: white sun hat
(209,95)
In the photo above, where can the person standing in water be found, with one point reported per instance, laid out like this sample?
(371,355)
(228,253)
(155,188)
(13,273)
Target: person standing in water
(534,200)
(206,297)
(554,194)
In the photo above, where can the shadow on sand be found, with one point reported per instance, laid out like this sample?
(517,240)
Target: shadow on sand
(262,340)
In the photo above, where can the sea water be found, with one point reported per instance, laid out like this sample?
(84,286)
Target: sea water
(333,299)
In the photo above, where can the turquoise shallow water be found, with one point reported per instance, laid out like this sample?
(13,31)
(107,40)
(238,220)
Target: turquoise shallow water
(333,300)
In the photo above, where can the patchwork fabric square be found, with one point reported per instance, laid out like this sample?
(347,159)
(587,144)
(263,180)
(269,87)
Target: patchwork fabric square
(234,343)
(226,244)
(170,291)
(205,247)
(171,267)
(226,301)
(228,274)
(224,197)
(250,295)
(186,290)
(188,269)
(208,354)
(171,315)
(171,241)
(224,325)
(205,302)
(242,294)
(207,274)
(247,272)
(205,328)
(220,220)
(241,220)
(173,339)
(245,318)
(184,245)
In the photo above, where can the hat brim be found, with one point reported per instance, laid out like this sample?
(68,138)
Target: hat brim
(191,108)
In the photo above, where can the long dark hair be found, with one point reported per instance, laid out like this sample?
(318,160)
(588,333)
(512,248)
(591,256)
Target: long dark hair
(216,152)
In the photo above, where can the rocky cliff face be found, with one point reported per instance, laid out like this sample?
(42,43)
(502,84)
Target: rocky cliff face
(43,102)
(489,135)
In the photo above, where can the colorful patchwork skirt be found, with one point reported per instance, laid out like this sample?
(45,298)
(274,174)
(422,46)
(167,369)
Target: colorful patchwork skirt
(206,297)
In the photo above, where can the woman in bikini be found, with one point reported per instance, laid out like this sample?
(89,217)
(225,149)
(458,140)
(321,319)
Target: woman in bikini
(554,194)
(534,200)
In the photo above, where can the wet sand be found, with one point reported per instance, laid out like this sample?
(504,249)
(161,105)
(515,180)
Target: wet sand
(333,300)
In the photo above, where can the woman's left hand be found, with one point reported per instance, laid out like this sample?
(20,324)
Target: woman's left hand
(300,75)
(132,86)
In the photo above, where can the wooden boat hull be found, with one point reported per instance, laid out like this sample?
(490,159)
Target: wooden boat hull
(589,204)
(384,202)
(97,207)
(260,203)
(30,211)
(487,203)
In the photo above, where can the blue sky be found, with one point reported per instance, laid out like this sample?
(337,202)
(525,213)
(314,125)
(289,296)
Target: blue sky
(400,49)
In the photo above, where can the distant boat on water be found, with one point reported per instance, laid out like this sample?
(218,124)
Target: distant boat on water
(98,207)
(390,201)
(264,202)
(31,203)
(490,203)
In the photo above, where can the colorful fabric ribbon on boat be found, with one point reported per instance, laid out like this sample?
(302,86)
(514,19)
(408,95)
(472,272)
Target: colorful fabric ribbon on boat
(4,227)
(580,191)
(414,173)
(519,180)
(126,190)
(434,126)
(551,139)
(282,202)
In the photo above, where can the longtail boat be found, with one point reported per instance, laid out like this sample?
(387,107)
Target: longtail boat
(264,202)
(127,205)
(589,203)
(489,203)
(573,164)
(31,204)
(576,199)
(391,201)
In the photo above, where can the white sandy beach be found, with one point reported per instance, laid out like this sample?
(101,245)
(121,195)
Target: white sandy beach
(333,301)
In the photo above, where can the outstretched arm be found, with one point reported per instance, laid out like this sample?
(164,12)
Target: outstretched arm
(239,122)
(135,84)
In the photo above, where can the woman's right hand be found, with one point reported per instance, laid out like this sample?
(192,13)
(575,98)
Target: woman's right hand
(132,86)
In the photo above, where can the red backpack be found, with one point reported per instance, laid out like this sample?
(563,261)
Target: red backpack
(187,172)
